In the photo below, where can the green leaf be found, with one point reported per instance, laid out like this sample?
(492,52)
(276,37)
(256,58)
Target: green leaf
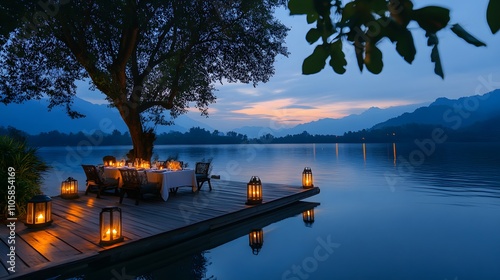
(432,39)
(432,18)
(438,68)
(359,49)
(337,61)
(311,18)
(492,15)
(400,11)
(376,31)
(405,46)
(313,35)
(379,6)
(348,12)
(316,61)
(373,58)
(457,29)
(301,7)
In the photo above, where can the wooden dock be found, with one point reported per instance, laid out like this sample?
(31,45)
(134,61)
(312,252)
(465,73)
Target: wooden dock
(71,244)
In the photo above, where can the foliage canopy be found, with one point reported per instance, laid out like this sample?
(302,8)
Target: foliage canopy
(364,23)
(146,57)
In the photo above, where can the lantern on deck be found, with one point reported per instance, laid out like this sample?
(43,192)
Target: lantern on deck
(254,191)
(69,188)
(256,240)
(39,211)
(307,178)
(110,222)
(308,217)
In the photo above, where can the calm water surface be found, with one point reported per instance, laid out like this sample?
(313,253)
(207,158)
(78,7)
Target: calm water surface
(386,211)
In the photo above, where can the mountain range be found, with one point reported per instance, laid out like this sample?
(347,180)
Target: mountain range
(451,113)
(330,126)
(97,117)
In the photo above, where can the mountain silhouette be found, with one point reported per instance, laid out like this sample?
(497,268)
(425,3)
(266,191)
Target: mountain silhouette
(451,113)
(331,126)
(33,117)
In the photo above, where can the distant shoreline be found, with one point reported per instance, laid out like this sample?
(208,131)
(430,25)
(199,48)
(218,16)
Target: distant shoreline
(199,136)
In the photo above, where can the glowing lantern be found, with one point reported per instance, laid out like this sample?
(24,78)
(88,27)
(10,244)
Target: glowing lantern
(69,188)
(307,178)
(39,211)
(308,217)
(256,240)
(254,191)
(110,222)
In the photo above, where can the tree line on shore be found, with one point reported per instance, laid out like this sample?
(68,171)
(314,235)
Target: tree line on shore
(196,135)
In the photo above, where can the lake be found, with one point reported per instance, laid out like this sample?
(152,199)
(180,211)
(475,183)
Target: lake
(387,211)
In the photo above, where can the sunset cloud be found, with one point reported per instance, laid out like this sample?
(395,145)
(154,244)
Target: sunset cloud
(290,110)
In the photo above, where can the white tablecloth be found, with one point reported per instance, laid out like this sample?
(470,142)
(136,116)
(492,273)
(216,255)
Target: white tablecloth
(172,179)
(113,172)
(166,179)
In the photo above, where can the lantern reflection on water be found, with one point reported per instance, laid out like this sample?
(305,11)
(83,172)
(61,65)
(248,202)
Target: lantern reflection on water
(256,240)
(308,217)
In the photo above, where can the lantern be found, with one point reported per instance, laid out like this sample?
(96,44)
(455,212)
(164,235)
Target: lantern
(39,211)
(254,191)
(256,240)
(307,178)
(69,188)
(110,222)
(308,217)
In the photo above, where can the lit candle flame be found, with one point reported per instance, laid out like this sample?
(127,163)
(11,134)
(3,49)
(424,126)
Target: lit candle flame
(39,218)
(114,232)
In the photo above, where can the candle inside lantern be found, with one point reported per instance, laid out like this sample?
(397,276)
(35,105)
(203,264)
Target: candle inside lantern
(39,219)
(107,235)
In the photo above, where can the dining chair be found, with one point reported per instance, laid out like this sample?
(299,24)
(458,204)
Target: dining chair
(135,185)
(201,171)
(95,182)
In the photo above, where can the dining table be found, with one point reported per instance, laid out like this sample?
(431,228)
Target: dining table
(168,179)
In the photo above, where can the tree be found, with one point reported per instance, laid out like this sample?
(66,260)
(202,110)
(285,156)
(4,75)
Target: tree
(363,23)
(146,57)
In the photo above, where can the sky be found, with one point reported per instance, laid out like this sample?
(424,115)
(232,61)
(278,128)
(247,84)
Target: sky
(290,98)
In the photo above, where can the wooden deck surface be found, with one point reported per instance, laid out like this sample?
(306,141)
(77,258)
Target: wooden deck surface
(72,241)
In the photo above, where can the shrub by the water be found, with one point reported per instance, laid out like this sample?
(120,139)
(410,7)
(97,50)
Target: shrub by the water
(29,171)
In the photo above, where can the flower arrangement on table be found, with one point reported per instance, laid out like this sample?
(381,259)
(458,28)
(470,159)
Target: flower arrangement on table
(174,165)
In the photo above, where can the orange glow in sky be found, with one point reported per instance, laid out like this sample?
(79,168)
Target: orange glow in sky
(288,111)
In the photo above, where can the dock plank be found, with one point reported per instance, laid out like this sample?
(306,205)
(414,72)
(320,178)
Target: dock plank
(49,246)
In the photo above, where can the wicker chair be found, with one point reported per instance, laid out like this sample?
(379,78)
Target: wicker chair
(135,186)
(201,171)
(96,183)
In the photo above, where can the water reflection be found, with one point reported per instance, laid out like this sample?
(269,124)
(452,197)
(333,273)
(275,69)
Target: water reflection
(256,240)
(457,170)
(185,260)
(364,152)
(394,153)
(308,217)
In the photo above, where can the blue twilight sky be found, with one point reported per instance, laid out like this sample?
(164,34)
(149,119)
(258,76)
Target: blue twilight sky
(290,98)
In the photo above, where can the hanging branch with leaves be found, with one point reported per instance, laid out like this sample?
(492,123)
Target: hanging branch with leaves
(364,23)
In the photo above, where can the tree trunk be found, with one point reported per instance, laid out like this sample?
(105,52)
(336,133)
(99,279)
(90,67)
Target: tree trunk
(142,141)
